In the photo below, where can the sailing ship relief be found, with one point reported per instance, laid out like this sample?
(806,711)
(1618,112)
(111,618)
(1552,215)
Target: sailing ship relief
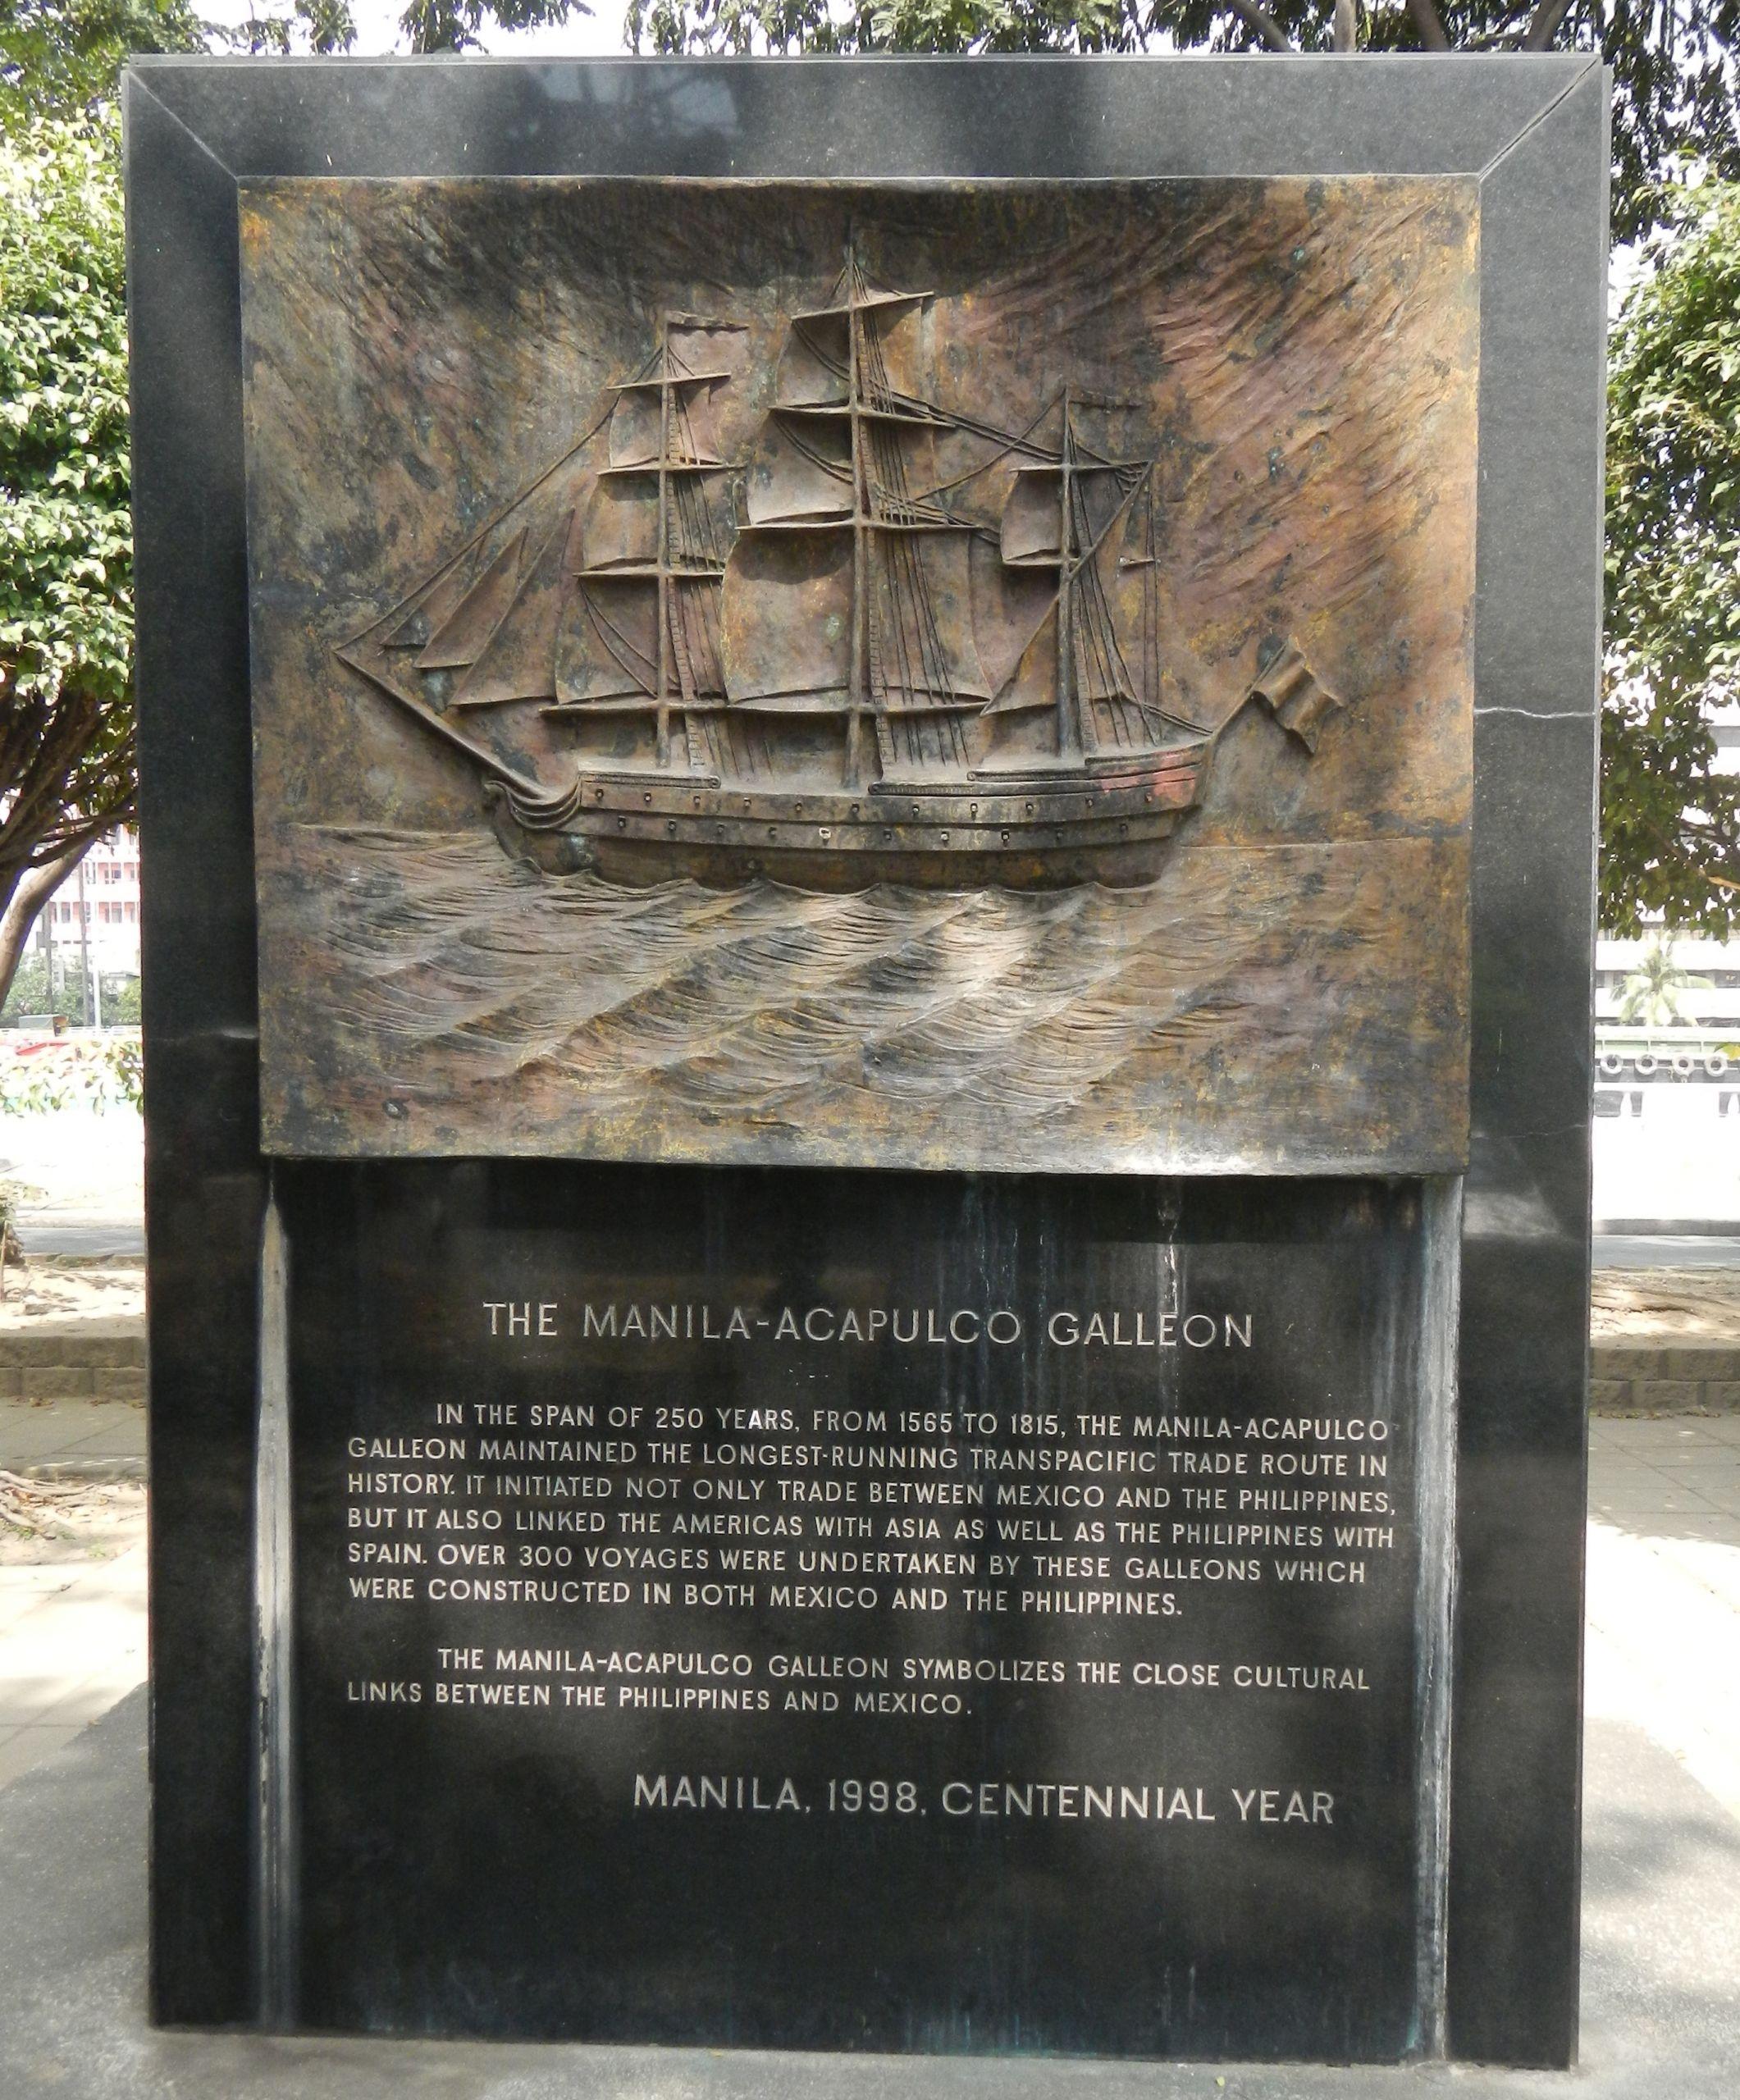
(893,642)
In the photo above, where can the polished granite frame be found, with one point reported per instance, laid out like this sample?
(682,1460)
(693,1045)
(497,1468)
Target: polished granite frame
(1534,129)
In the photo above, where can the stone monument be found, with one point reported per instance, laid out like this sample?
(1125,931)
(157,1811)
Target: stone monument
(869,794)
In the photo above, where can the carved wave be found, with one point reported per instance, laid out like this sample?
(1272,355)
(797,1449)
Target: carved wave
(443,969)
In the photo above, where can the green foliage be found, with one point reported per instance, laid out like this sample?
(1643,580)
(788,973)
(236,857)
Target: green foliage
(426,25)
(65,600)
(1676,89)
(120,1000)
(1671,825)
(65,528)
(1651,993)
(459,24)
(743,26)
(61,58)
(101,1073)
(322,26)
(30,992)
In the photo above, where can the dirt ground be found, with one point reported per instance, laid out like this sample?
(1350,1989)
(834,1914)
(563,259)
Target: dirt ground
(1680,1305)
(43,1522)
(48,1522)
(48,1289)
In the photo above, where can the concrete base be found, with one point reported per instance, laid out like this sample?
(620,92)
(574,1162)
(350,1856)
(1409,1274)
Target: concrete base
(1661,2009)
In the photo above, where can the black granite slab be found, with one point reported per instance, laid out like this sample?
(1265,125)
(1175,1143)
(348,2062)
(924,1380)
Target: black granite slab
(777,1771)
(1415,1948)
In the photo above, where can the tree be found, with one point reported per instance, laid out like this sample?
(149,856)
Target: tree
(322,26)
(458,24)
(1671,822)
(1651,993)
(31,990)
(61,58)
(1676,89)
(67,731)
(426,25)
(67,760)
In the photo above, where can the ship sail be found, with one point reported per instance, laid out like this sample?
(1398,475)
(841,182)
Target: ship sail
(1070,515)
(640,414)
(848,592)
(517,662)
(1116,713)
(786,621)
(695,638)
(640,635)
(460,638)
(623,525)
(815,369)
(435,603)
(608,648)
(1033,683)
(922,645)
(842,618)
(801,475)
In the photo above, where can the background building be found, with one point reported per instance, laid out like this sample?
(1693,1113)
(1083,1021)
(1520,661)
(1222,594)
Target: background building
(91,921)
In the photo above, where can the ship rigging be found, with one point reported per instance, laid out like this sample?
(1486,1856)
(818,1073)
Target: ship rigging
(823,662)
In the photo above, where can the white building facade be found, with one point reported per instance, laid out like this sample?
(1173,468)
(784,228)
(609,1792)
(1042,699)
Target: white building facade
(97,905)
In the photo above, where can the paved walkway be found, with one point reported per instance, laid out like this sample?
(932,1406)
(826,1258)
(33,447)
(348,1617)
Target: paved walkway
(72,1643)
(1664,1593)
(97,1439)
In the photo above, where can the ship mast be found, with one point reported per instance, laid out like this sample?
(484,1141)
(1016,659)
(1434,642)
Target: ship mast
(682,550)
(860,699)
(1062,515)
(895,653)
(1069,725)
(662,697)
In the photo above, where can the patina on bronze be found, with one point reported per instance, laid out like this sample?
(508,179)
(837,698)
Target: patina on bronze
(967,674)
(824,666)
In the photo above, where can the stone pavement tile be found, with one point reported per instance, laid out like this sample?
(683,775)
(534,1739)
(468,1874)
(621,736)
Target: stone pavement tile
(27,1433)
(1629,1499)
(79,1649)
(124,1440)
(1647,1435)
(22,1589)
(1631,1465)
(20,1749)
(1664,1648)
(1661,1927)
(1709,1558)
(92,1696)
(38,1434)
(1722,1491)
(1718,1531)
(102,1446)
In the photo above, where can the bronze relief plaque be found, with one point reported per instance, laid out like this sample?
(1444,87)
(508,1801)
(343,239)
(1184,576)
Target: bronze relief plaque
(943,675)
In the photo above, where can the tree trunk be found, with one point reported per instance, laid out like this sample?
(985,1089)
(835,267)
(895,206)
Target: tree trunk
(33,889)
